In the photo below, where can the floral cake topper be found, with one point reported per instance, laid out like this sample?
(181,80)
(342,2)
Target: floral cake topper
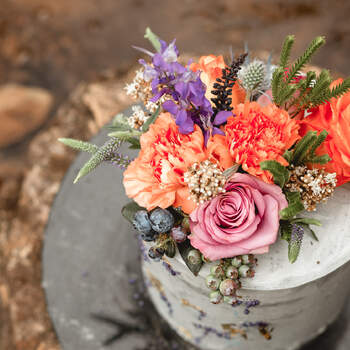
(231,155)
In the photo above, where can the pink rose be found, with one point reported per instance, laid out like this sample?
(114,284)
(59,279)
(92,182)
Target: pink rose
(243,220)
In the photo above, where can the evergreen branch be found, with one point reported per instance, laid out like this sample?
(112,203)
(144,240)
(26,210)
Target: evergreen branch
(340,89)
(277,78)
(302,147)
(305,58)
(320,138)
(324,159)
(285,52)
(279,172)
(79,145)
(321,87)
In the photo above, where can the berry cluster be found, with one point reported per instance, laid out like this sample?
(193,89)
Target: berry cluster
(224,279)
(159,226)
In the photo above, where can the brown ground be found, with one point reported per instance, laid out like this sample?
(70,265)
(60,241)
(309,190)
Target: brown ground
(56,45)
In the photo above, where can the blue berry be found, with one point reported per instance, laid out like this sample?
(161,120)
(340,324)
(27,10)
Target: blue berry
(149,237)
(141,222)
(161,220)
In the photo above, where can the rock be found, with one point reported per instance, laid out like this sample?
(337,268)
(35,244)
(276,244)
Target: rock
(22,110)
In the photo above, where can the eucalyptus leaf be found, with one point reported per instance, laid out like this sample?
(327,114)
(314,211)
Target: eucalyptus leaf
(230,171)
(129,210)
(184,249)
(170,248)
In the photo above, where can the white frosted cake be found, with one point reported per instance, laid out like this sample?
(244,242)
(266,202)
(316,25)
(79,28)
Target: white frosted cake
(232,184)
(294,302)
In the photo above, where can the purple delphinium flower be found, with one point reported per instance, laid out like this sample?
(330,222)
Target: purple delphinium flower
(188,103)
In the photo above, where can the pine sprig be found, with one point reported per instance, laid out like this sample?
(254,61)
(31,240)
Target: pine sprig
(79,145)
(304,151)
(285,52)
(340,89)
(305,58)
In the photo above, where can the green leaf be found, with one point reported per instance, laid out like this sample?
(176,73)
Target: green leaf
(184,249)
(129,210)
(287,155)
(230,171)
(170,248)
(324,159)
(79,145)
(294,250)
(124,134)
(295,206)
(286,49)
(151,120)
(120,123)
(279,172)
(277,79)
(153,38)
(307,221)
(285,230)
(134,143)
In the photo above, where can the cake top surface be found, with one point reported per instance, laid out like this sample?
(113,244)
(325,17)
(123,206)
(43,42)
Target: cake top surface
(316,259)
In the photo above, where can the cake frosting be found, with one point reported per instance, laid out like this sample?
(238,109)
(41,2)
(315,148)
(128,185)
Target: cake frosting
(289,303)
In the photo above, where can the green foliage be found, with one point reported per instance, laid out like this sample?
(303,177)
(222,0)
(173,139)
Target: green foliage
(313,90)
(295,206)
(279,172)
(104,153)
(184,249)
(79,145)
(129,210)
(294,247)
(304,151)
(286,49)
(305,58)
(151,120)
(120,123)
(153,38)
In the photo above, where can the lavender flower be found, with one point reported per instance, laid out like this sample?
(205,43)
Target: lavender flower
(188,103)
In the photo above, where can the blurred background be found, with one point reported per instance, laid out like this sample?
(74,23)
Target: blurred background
(63,65)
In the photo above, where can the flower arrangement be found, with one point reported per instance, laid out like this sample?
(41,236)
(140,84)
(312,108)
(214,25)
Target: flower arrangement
(230,156)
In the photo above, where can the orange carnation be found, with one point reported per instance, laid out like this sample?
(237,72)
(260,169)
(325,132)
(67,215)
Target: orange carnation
(259,133)
(334,117)
(211,68)
(155,177)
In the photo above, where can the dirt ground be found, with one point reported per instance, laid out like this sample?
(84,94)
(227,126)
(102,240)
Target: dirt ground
(59,45)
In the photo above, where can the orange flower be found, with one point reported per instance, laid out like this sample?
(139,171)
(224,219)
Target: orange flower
(155,177)
(259,133)
(211,68)
(334,117)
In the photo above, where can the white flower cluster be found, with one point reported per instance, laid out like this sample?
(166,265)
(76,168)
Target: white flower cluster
(140,89)
(138,117)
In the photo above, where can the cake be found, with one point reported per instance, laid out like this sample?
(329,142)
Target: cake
(239,193)
(295,303)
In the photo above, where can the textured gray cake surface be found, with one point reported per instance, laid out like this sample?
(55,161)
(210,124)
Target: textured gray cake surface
(87,248)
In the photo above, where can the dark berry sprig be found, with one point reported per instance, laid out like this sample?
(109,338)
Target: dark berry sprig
(223,86)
